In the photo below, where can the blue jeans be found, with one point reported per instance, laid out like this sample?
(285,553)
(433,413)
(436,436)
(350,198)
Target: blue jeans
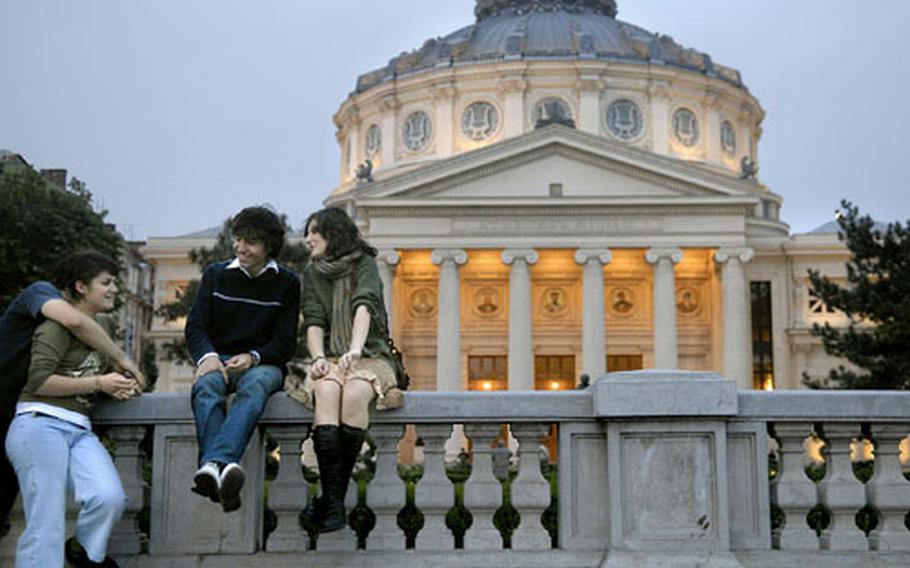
(51,456)
(223,435)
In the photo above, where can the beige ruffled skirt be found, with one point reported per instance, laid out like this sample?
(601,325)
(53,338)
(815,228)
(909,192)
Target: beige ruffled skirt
(301,387)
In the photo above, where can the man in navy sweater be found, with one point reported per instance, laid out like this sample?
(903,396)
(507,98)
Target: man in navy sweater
(241,331)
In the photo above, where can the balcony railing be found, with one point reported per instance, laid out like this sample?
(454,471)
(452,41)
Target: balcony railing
(649,464)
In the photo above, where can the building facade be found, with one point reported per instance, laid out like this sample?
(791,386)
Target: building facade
(556,192)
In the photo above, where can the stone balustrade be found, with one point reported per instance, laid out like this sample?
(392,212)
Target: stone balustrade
(662,466)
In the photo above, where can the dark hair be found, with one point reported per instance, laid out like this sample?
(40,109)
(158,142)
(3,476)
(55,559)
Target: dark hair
(82,267)
(260,224)
(339,231)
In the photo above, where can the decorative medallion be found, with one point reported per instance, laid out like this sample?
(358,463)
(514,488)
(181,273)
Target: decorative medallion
(554,302)
(487,302)
(622,302)
(685,127)
(373,142)
(416,131)
(624,119)
(545,107)
(728,138)
(479,121)
(687,301)
(422,303)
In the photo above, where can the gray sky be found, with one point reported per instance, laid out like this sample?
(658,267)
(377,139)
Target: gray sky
(177,113)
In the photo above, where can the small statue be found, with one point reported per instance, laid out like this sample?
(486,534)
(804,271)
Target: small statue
(365,172)
(748,168)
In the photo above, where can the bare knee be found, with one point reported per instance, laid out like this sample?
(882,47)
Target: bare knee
(356,403)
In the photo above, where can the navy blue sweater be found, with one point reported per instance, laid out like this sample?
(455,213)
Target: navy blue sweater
(235,314)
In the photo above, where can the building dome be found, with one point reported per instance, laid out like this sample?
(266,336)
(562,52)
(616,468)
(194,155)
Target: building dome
(525,62)
(547,29)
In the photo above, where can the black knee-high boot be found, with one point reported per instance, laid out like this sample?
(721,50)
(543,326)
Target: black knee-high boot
(350,442)
(326,513)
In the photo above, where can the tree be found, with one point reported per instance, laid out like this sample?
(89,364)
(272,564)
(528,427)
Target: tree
(876,301)
(293,255)
(40,223)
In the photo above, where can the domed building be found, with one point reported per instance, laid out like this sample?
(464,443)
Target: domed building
(556,192)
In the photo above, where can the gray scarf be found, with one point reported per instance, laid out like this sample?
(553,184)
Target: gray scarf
(341,272)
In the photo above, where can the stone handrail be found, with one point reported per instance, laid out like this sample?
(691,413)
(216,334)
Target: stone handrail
(649,463)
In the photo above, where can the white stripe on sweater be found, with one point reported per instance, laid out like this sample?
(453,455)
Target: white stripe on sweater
(246,300)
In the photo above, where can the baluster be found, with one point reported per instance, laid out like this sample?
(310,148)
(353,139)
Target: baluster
(289,492)
(792,491)
(386,492)
(840,491)
(530,491)
(888,490)
(482,491)
(434,494)
(126,538)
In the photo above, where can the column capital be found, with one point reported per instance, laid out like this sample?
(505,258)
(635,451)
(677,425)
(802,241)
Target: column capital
(443,91)
(458,256)
(509,256)
(513,84)
(654,255)
(389,256)
(743,254)
(583,256)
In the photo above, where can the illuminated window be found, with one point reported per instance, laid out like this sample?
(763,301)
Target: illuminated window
(616,363)
(554,372)
(488,372)
(762,344)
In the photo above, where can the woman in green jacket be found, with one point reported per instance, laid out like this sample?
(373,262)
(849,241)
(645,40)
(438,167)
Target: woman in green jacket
(346,330)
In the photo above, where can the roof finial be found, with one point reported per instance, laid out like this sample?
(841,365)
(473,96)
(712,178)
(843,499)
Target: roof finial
(491,8)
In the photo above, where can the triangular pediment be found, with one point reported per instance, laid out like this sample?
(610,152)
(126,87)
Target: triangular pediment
(556,162)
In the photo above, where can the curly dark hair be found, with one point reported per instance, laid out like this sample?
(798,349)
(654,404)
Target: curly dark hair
(82,267)
(341,234)
(260,224)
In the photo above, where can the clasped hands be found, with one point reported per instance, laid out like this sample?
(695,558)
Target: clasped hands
(346,362)
(237,364)
(118,386)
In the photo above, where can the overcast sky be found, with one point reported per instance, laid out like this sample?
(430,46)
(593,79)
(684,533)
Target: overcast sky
(177,113)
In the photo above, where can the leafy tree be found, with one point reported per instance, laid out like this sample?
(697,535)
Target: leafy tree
(876,301)
(293,255)
(40,223)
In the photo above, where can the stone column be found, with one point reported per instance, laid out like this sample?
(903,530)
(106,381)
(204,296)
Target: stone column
(387,260)
(593,335)
(840,491)
(386,492)
(289,492)
(126,537)
(713,149)
(665,346)
(482,491)
(448,318)
(660,116)
(389,124)
(737,315)
(513,92)
(589,87)
(791,490)
(444,97)
(521,362)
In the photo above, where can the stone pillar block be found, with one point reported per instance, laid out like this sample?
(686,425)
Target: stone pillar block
(530,491)
(792,491)
(185,523)
(840,491)
(889,491)
(126,537)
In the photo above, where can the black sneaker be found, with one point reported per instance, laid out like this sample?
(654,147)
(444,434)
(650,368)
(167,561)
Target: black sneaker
(77,556)
(232,478)
(207,481)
